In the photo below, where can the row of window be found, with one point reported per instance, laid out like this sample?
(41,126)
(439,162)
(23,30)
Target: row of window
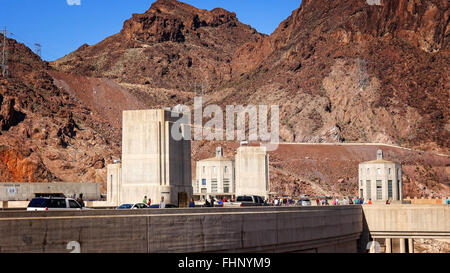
(225,169)
(379,187)
(379,171)
(214,185)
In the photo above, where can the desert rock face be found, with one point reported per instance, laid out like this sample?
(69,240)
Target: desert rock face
(172,45)
(341,71)
(354,72)
(46,133)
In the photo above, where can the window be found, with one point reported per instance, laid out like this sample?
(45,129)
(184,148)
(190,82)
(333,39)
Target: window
(389,170)
(203,182)
(226,185)
(361,183)
(379,190)
(369,189)
(213,185)
(368,170)
(378,171)
(57,203)
(390,189)
(214,169)
(73,204)
(204,169)
(398,190)
(225,169)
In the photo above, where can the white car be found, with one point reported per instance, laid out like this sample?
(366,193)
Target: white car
(133,206)
(52,204)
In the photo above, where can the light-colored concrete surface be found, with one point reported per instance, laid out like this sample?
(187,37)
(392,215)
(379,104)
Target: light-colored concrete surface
(154,164)
(215,176)
(252,171)
(407,221)
(27,191)
(380,180)
(332,229)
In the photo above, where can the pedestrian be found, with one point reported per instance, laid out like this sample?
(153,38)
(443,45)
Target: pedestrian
(145,200)
(388,202)
(370,201)
(192,203)
(276,202)
(149,203)
(334,202)
(224,200)
(350,201)
(345,202)
(162,205)
(212,201)
(317,202)
(80,200)
(207,204)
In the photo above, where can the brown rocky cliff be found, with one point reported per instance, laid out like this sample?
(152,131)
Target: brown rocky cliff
(173,45)
(47,134)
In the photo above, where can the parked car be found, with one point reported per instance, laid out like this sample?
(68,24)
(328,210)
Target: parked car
(304,202)
(133,206)
(168,206)
(53,203)
(249,201)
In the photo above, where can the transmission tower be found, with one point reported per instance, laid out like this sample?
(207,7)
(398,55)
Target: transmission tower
(37,49)
(4,64)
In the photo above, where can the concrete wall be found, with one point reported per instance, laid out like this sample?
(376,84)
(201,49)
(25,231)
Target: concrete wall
(408,221)
(328,229)
(113,184)
(252,171)
(153,163)
(26,191)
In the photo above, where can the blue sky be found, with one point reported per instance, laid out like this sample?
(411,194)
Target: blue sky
(61,28)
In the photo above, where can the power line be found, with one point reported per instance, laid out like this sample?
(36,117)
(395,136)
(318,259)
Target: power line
(37,49)
(4,56)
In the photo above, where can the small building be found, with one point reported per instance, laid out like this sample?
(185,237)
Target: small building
(380,180)
(252,171)
(27,191)
(215,177)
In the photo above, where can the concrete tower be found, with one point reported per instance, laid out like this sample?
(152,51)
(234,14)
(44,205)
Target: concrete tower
(252,171)
(154,164)
(380,180)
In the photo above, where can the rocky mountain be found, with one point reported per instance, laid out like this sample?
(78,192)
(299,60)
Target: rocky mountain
(47,134)
(347,71)
(341,71)
(172,45)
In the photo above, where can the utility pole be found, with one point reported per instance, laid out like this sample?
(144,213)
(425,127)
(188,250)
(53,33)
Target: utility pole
(4,56)
(37,49)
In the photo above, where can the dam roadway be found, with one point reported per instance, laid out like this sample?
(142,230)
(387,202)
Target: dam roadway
(195,230)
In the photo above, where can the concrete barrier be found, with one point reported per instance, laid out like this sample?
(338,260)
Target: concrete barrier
(313,229)
(407,221)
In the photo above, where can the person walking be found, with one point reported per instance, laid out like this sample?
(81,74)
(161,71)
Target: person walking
(149,203)
(317,202)
(162,204)
(350,201)
(192,203)
(370,202)
(345,202)
(145,200)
